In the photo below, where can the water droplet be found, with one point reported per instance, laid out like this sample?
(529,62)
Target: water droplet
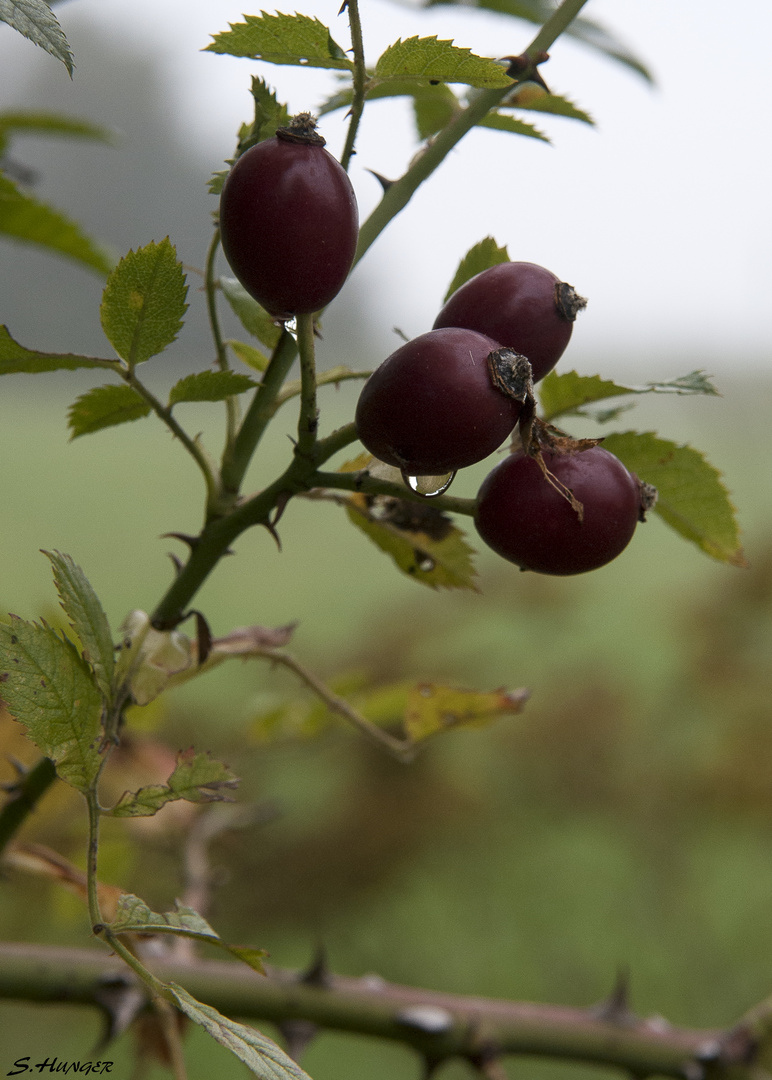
(426,564)
(429,486)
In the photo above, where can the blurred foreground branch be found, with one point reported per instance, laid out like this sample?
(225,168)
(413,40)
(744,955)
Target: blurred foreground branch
(437,1025)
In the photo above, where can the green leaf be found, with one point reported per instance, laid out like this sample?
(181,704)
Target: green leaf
(482,256)
(270,113)
(432,708)
(49,688)
(24,218)
(103,407)
(254,318)
(133,916)
(36,21)
(692,499)
(249,355)
(14,358)
(535,98)
(282,39)
(210,386)
(441,560)
(87,618)
(503,122)
(143,303)
(45,123)
(567,392)
(431,59)
(261,1056)
(197,778)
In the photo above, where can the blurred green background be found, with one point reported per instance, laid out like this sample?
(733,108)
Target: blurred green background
(623,822)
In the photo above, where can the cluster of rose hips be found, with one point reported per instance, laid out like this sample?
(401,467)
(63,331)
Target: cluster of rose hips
(450,397)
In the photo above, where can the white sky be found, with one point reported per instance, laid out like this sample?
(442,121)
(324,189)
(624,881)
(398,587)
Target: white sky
(660,216)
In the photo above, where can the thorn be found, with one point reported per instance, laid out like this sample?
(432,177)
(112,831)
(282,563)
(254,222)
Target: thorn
(121,1002)
(487,1062)
(177,562)
(271,529)
(616,1008)
(191,541)
(297,1035)
(525,65)
(203,637)
(318,972)
(382,180)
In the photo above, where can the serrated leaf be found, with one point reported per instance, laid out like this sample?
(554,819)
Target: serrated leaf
(482,256)
(282,39)
(261,1056)
(254,318)
(535,98)
(103,407)
(87,618)
(49,689)
(45,123)
(249,355)
(692,499)
(14,358)
(432,59)
(567,392)
(133,916)
(210,386)
(432,708)
(270,113)
(504,122)
(24,218)
(439,563)
(143,303)
(197,778)
(216,182)
(37,22)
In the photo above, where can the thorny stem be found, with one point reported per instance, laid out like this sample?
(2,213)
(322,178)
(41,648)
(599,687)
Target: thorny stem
(398,194)
(402,749)
(372,1007)
(360,78)
(231,404)
(371,485)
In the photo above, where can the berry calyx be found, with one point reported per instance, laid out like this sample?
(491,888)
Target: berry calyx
(289,221)
(521,305)
(577,517)
(432,407)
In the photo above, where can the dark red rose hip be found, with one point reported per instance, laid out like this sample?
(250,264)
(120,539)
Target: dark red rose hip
(528,522)
(432,407)
(521,305)
(289,221)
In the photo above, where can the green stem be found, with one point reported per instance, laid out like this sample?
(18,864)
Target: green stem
(93,854)
(231,404)
(398,195)
(371,485)
(24,798)
(360,79)
(260,412)
(308,420)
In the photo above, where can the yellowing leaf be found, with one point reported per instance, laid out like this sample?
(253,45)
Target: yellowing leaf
(432,708)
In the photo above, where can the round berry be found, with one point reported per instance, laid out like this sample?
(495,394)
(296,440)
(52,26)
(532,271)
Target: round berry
(432,407)
(289,221)
(521,305)
(526,520)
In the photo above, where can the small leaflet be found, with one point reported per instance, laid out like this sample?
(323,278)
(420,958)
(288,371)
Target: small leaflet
(14,358)
(144,302)
(103,407)
(37,22)
(197,778)
(433,60)
(432,708)
(282,39)
(566,393)
(48,687)
(210,386)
